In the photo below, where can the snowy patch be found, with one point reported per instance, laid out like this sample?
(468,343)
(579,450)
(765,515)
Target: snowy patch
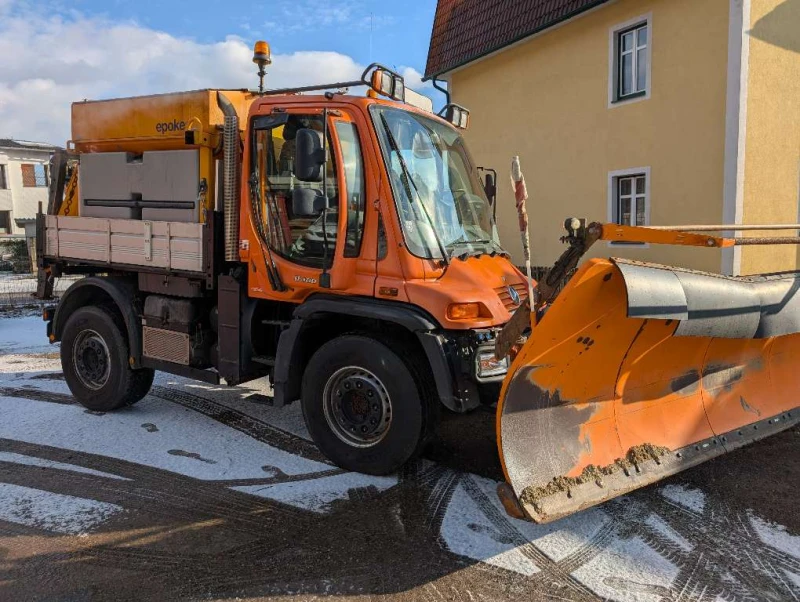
(628,570)
(21,366)
(120,435)
(44,463)
(318,495)
(570,535)
(24,335)
(52,511)
(468,530)
(693,499)
(776,536)
(657,523)
(476,525)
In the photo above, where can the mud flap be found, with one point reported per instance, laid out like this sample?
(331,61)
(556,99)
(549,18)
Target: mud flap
(637,372)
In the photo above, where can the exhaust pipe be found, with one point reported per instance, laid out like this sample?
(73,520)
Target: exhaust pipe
(230,170)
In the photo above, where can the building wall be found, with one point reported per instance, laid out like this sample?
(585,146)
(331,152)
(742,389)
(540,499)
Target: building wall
(22,201)
(772,149)
(546,100)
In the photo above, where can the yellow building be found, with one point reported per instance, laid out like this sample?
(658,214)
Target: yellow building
(633,111)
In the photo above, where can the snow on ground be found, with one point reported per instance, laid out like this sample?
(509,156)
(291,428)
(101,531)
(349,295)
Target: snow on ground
(52,511)
(13,458)
(630,549)
(24,335)
(177,446)
(775,535)
(693,499)
(318,495)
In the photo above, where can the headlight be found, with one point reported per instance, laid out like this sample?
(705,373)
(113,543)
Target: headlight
(488,365)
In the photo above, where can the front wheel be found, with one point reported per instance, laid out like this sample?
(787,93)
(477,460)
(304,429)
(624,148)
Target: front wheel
(363,406)
(94,358)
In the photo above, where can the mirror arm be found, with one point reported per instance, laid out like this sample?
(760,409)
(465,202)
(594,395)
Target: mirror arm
(325,277)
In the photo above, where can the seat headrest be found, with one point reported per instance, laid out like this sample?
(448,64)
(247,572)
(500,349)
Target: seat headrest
(307,202)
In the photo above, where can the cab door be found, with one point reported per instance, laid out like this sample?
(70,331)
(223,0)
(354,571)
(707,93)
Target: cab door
(300,230)
(358,223)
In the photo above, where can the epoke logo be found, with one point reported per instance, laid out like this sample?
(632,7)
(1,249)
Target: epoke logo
(170,126)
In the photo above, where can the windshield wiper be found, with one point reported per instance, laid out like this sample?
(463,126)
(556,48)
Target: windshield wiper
(408,183)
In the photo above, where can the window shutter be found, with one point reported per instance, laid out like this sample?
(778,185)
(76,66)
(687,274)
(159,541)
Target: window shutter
(28,175)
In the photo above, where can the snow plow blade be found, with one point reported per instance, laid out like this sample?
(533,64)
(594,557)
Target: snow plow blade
(638,371)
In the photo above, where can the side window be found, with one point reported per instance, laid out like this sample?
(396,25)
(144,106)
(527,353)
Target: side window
(629,198)
(630,61)
(354,186)
(290,211)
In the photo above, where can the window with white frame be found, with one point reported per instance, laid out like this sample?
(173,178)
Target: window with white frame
(630,201)
(630,65)
(3,178)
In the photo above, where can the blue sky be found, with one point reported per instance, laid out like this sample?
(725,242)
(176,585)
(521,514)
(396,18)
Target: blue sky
(401,30)
(58,51)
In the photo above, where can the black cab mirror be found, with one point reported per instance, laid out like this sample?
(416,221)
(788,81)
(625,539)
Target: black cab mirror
(309,155)
(489,183)
(490,187)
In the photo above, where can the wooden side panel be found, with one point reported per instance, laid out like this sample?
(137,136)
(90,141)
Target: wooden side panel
(168,245)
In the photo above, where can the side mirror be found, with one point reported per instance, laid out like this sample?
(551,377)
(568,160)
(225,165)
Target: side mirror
(307,202)
(490,188)
(309,155)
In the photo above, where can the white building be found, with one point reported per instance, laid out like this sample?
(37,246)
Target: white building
(24,178)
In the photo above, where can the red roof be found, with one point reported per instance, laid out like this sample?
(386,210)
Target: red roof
(465,30)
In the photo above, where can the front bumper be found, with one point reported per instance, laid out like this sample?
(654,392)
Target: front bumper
(463,351)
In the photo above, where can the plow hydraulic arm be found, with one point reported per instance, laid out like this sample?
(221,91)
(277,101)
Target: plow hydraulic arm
(581,237)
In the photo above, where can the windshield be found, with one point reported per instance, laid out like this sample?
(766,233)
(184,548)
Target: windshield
(439,197)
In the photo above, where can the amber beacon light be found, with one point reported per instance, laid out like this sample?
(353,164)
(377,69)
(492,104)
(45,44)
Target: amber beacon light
(262,58)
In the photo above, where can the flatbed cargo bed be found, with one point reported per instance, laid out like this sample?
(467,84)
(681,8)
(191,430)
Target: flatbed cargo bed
(168,246)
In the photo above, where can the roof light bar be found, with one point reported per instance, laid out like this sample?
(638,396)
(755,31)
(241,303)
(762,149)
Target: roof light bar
(456,114)
(385,82)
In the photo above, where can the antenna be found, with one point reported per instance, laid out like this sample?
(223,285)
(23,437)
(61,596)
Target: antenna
(371,23)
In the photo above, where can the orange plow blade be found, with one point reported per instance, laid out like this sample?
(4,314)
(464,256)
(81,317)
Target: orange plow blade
(639,371)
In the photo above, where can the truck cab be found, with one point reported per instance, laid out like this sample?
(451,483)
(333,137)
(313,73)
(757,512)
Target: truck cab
(346,251)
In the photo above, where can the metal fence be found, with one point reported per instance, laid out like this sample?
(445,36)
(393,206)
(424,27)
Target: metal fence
(16,290)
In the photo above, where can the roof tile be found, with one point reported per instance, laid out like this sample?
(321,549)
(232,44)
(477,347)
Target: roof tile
(464,30)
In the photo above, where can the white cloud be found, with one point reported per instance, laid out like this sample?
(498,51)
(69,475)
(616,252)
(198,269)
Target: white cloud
(49,62)
(413,78)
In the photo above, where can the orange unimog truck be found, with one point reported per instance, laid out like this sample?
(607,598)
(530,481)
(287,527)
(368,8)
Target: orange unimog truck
(344,247)
(341,246)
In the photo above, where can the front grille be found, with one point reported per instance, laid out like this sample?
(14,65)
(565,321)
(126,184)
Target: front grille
(508,303)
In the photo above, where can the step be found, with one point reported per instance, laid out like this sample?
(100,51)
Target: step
(264,360)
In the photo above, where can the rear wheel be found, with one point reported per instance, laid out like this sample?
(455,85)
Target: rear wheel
(94,358)
(363,406)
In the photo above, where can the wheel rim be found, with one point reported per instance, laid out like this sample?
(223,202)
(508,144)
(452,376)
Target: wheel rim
(357,406)
(91,359)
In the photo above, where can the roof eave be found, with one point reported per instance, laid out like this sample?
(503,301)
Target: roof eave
(517,40)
